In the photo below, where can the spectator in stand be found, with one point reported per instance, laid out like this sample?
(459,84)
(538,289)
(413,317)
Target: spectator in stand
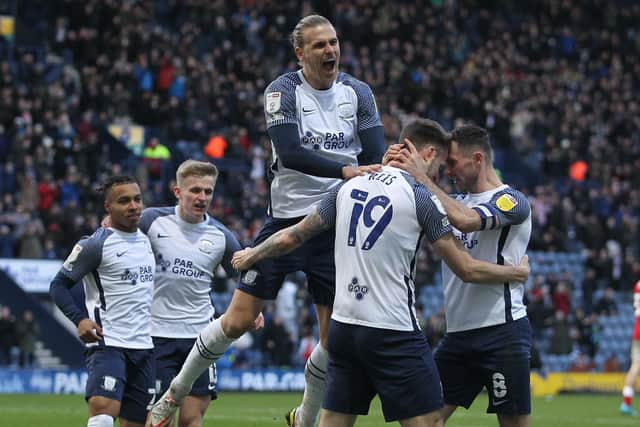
(8,338)
(28,332)
(276,343)
(606,305)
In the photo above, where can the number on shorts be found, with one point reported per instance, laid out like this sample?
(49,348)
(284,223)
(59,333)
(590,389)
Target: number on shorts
(499,385)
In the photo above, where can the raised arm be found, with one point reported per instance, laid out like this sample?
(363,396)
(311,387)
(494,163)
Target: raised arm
(471,270)
(282,242)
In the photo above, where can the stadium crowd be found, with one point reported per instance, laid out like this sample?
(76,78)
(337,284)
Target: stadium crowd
(553,80)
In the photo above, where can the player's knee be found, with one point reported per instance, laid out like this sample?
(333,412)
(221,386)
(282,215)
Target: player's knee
(190,421)
(237,323)
(513,420)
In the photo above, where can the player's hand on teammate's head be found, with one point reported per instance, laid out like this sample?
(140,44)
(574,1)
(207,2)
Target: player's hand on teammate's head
(408,158)
(259,322)
(89,331)
(391,153)
(241,259)
(106,222)
(349,172)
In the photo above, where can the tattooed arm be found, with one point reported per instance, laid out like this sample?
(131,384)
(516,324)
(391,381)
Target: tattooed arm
(282,242)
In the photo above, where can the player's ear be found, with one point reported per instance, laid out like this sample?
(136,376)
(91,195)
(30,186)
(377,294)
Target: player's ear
(176,191)
(478,156)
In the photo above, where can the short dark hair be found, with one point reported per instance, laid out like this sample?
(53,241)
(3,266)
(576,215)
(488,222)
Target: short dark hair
(113,180)
(473,136)
(423,132)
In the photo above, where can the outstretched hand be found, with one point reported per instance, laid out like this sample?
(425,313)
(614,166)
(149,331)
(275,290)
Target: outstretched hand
(241,259)
(258,323)
(406,157)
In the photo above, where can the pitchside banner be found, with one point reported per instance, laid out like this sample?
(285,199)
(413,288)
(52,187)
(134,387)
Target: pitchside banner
(33,275)
(16,381)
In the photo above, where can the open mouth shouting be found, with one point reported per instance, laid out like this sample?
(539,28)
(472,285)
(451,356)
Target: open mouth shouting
(329,64)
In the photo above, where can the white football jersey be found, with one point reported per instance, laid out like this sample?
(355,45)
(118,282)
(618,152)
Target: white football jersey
(187,256)
(506,229)
(328,124)
(380,219)
(116,269)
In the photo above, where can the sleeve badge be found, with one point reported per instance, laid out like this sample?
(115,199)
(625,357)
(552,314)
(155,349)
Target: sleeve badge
(272,102)
(506,202)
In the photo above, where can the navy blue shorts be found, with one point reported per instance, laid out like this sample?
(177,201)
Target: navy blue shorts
(398,366)
(125,375)
(315,258)
(170,356)
(495,357)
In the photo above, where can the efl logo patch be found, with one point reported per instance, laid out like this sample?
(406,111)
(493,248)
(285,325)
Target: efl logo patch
(506,202)
(72,258)
(272,102)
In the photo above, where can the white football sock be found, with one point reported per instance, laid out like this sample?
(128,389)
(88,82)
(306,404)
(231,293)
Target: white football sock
(627,391)
(209,347)
(314,377)
(102,420)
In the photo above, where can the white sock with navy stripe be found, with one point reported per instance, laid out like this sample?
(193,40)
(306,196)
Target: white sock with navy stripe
(102,420)
(314,377)
(209,347)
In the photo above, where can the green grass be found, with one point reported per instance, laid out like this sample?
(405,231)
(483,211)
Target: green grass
(267,409)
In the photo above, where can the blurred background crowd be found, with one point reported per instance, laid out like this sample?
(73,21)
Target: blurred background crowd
(94,87)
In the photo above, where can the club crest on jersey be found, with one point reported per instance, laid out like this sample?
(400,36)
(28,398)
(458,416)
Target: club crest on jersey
(109,383)
(358,291)
(205,246)
(345,110)
(72,258)
(272,103)
(250,277)
(506,202)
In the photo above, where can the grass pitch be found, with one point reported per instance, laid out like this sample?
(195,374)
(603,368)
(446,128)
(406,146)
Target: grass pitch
(267,409)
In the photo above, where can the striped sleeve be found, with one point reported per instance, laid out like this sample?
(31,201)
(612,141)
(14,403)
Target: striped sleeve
(368,116)
(506,207)
(327,209)
(431,214)
(85,256)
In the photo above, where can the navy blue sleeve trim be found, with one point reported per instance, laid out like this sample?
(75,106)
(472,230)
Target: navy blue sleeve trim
(151,214)
(231,247)
(373,145)
(288,149)
(61,295)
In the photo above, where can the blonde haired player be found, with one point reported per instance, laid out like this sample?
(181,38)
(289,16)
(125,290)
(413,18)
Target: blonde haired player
(634,369)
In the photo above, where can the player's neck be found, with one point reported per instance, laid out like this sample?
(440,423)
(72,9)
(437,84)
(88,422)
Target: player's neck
(487,180)
(317,83)
(186,218)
